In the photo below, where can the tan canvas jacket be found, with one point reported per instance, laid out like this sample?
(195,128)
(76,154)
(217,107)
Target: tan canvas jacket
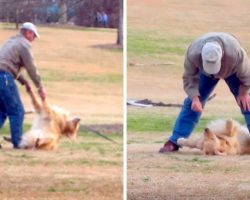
(15,55)
(234,61)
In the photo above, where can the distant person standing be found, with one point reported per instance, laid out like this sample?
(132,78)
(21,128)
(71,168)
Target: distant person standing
(16,55)
(98,19)
(105,19)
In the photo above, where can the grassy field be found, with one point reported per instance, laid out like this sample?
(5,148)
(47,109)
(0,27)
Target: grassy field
(81,70)
(159,33)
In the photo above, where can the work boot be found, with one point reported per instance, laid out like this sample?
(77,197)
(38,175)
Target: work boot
(169,147)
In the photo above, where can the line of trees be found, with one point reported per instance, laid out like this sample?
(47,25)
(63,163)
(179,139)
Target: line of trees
(79,12)
(75,12)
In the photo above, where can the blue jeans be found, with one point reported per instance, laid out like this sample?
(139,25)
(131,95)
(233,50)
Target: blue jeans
(187,119)
(11,107)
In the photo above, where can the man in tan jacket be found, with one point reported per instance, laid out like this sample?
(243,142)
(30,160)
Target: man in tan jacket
(211,57)
(16,55)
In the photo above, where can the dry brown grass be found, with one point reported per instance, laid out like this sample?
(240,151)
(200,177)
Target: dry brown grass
(186,174)
(88,169)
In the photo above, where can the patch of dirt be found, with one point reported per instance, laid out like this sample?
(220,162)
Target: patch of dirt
(186,174)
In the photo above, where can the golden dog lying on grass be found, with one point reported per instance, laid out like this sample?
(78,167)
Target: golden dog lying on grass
(50,124)
(221,137)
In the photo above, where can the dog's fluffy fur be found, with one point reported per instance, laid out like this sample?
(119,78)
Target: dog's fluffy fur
(50,124)
(221,137)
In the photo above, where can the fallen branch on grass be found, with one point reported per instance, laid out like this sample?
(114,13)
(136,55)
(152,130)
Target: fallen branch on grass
(149,103)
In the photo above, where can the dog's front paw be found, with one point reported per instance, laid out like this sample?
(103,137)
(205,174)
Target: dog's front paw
(181,141)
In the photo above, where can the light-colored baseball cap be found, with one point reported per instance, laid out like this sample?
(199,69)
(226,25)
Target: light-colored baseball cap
(211,57)
(30,26)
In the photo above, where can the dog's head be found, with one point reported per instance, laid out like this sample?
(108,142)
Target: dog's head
(71,127)
(66,125)
(211,143)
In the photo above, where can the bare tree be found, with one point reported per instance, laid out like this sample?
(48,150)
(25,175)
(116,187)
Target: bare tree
(63,12)
(17,11)
(79,12)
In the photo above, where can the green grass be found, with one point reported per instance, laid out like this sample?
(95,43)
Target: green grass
(5,130)
(99,151)
(108,163)
(67,188)
(151,44)
(55,75)
(153,122)
(200,160)
(91,140)
(146,122)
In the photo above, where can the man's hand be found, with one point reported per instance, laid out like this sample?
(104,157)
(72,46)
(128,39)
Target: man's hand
(196,104)
(244,101)
(42,93)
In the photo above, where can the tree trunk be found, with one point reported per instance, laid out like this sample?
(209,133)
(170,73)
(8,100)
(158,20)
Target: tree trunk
(17,18)
(63,12)
(120,27)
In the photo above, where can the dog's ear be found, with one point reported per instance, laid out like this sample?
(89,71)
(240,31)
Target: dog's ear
(72,127)
(208,134)
(76,121)
(230,128)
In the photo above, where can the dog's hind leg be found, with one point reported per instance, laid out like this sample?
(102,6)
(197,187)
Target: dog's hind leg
(39,106)
(231,128)
(35,102)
